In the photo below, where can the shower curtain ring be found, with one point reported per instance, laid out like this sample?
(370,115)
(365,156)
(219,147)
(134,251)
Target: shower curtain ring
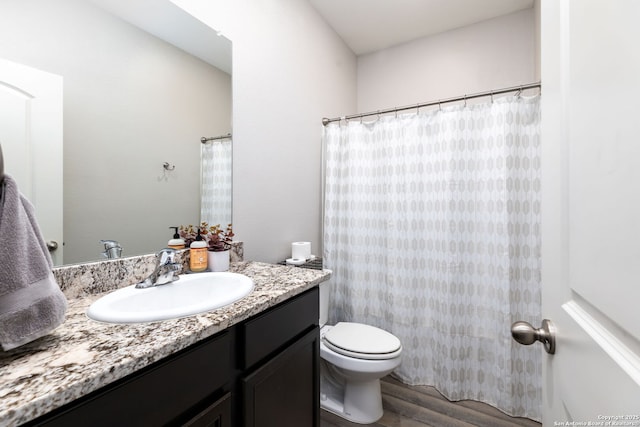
(465,100)
(492,97)
(418,108)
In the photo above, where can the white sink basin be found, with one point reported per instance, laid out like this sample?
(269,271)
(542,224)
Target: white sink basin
(191,294)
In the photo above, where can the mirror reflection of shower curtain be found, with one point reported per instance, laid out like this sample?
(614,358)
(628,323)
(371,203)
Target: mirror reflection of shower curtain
(215,183)
(432,231)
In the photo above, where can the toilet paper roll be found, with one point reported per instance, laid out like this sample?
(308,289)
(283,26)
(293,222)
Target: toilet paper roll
(301,250)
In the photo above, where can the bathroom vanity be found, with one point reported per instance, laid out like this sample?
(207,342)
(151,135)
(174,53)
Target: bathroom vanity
(253,363)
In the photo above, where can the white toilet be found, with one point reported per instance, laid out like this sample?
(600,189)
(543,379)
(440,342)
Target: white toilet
(353,359)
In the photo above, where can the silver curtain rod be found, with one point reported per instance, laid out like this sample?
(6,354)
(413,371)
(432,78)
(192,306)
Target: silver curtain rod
(326,121)
(215,138)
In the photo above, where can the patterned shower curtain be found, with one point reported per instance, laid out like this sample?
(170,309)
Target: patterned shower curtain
(432,230)
(215,191)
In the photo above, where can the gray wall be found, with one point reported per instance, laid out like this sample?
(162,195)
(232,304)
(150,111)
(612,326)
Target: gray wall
(131,102)
(492,54)
(289,70)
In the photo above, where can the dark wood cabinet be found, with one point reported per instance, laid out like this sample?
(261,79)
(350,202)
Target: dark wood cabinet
(267,333)
(262,372)
(216,415)
(160,394)
(280,360)
(284,391)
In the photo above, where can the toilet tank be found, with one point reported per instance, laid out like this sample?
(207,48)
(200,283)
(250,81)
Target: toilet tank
(325,291)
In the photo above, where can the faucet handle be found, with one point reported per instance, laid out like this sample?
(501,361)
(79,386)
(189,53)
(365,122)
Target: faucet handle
(166,255)
(112,249)
(108,244)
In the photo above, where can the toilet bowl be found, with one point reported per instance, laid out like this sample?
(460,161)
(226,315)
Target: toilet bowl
(354,358)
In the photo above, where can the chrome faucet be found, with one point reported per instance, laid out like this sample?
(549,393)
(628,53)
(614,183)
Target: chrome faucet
(165,271)
(112,249)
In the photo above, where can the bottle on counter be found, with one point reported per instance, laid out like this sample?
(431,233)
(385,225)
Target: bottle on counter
(198,254)
(176,242)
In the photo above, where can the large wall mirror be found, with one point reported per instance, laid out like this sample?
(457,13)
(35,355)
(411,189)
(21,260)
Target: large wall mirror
(143,82)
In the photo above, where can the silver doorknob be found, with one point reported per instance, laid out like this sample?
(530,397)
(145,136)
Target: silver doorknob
(52,245)
(526,334)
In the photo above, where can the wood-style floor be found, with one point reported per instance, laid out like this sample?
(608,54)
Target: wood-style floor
(419,406)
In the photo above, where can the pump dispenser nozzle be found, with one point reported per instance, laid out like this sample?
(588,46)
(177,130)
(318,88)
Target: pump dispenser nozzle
(175,233)
(176,242)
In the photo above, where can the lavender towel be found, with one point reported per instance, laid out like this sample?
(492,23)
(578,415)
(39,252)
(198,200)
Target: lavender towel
(31,302)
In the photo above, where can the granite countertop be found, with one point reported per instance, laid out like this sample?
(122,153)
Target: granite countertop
(83,355)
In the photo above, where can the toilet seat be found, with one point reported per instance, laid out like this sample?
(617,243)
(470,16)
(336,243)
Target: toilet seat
(362,341)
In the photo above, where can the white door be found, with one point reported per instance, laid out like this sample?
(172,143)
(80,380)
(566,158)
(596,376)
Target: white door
(31,140)
(590,56)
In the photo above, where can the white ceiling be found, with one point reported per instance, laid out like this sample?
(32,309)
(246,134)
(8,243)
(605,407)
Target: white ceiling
(370,25)
(364,25)
(172,24)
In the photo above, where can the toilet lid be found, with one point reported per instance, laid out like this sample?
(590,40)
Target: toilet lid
(362,341)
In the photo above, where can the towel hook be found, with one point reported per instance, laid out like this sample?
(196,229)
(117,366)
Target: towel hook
(168,167)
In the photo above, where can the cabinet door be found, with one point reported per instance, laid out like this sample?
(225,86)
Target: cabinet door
(216,415)
(284,392)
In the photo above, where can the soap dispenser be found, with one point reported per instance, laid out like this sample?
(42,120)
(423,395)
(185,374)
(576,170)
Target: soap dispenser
(198,252)
(176,242)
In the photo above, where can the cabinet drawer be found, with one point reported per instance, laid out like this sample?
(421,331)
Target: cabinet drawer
(269,331)
(157,394)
